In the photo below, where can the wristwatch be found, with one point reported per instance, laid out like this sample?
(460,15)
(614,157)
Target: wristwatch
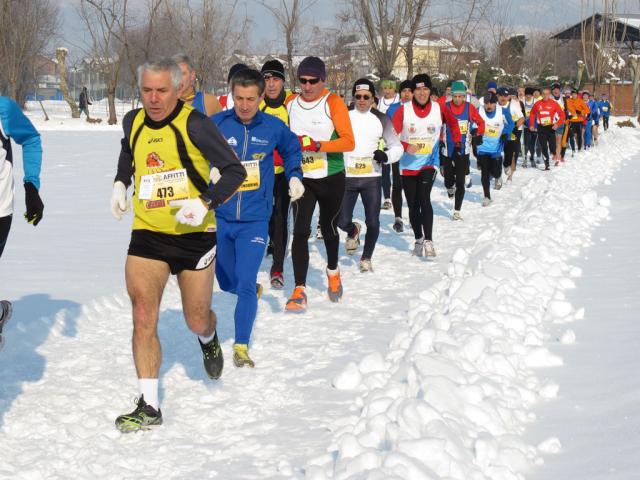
(206,200)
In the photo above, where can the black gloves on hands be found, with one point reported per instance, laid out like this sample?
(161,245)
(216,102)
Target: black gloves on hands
(35,207)
(380,157)
(476,140)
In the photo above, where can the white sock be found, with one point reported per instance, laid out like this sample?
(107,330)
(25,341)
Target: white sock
(206,340)
(149,388)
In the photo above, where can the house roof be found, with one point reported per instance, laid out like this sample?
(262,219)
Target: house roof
(627,27)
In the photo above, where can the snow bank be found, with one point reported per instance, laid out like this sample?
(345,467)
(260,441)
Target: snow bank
(453,395)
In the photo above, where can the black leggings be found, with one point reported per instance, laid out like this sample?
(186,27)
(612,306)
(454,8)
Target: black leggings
(489,167)
(605,122)
(278,228)
(575,135)
(5,226)
(417,189)
(455,169)
(512,149)
(547,139)
(530,139)
(394,187)
(328,192)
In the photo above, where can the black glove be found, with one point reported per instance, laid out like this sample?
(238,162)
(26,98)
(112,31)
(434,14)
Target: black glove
(504,138)
(35,207)
(476,140)
(380,157)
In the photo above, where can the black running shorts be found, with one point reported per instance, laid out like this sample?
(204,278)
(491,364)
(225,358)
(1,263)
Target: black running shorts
(189,251)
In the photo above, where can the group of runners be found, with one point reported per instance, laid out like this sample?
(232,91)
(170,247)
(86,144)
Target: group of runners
(212,181)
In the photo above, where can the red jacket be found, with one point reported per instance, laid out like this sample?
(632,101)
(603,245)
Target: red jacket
(543,113)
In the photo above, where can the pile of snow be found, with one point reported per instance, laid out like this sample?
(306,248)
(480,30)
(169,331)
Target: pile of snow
(454,393)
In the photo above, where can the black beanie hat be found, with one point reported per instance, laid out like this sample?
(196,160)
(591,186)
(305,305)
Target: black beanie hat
(490,97)
(405,84)
(421,80)
(235,69)
(312,67)
(363,84)
(529,90)
(273,68)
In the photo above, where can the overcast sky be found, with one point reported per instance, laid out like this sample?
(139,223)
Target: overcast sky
(545,15)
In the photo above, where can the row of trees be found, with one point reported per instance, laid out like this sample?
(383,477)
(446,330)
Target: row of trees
(121,34)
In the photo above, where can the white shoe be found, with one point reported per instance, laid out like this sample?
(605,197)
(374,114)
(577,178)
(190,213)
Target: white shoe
(352,243)
(468,181)
(486,202)
(387,205)
(456,216)
(418,248)
(429,249)
(365,265)
(498,183)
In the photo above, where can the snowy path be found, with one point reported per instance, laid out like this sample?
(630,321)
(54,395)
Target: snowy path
(598,409)
(71,369)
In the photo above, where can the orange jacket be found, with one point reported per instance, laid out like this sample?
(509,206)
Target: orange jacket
(577,109)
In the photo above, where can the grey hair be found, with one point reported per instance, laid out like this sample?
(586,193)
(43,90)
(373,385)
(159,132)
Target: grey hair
(162,65)
(183,58)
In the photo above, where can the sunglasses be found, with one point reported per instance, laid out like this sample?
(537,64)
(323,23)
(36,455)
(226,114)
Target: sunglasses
(362,97)
(311,81)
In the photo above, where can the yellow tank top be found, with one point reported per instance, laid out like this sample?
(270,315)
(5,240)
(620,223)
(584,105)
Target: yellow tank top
(167,166)
(280,113)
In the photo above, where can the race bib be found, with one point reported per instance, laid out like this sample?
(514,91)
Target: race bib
(423,144)
(359,165)
(252,182)
(313,161)
(491,131)
(544,121)
(463,125)
(171,185)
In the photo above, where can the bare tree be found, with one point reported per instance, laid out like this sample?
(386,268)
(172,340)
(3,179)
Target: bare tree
(61,55)
(415,12)
(26,27)
(106,24)
(288,14)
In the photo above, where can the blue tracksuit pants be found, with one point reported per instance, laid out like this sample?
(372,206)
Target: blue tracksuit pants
(240,250)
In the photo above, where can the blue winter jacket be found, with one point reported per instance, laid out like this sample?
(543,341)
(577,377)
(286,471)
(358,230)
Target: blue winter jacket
(594,110)
(254,144)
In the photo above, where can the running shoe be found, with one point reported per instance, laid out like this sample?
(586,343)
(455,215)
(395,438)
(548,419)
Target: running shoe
(365,265)
(319,233)
(5,314)
(297,303)
(451,191)
(143,417)
(277,280)
(387,205)
(398,225)
(241,356)
(429,249)
(334,290)
(498,183)
(259,290)
(486,202)
(212,357)
(456,216)
(468,181)
(353,239)
(418,248)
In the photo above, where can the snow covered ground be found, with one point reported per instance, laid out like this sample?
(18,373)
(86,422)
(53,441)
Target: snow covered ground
(427,369)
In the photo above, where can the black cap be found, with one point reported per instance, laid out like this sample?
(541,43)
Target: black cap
(490,97)
(363,84)
(405,84)
(272,68)
(502,91)
(421,80)
(235,69)
(555,85)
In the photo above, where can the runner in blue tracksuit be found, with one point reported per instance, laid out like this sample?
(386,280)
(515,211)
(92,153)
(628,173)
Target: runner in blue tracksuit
(594,115)
(498,128)
(243,221)
(605,109)
(592,119)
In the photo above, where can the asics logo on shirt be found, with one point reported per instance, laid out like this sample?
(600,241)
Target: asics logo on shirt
(154,140)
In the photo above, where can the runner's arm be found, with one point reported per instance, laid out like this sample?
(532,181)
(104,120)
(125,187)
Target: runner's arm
(561,116)
(125,160)
(289,149)
(391,140)
(205,135)
(18,127)
(398,123)
(452,124)
(342,124)
(477,119)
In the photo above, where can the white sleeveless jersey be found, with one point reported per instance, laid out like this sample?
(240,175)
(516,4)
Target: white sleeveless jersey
(425,134)
(384,103)
(6,179)
(312,119)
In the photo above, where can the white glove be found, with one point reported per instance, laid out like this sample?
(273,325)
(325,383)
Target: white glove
(214,175)
(119,203)
(296,189)
(192,211)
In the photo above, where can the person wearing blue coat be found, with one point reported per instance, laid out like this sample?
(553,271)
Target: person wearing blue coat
(243,221)
(14,125)
(605,109)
